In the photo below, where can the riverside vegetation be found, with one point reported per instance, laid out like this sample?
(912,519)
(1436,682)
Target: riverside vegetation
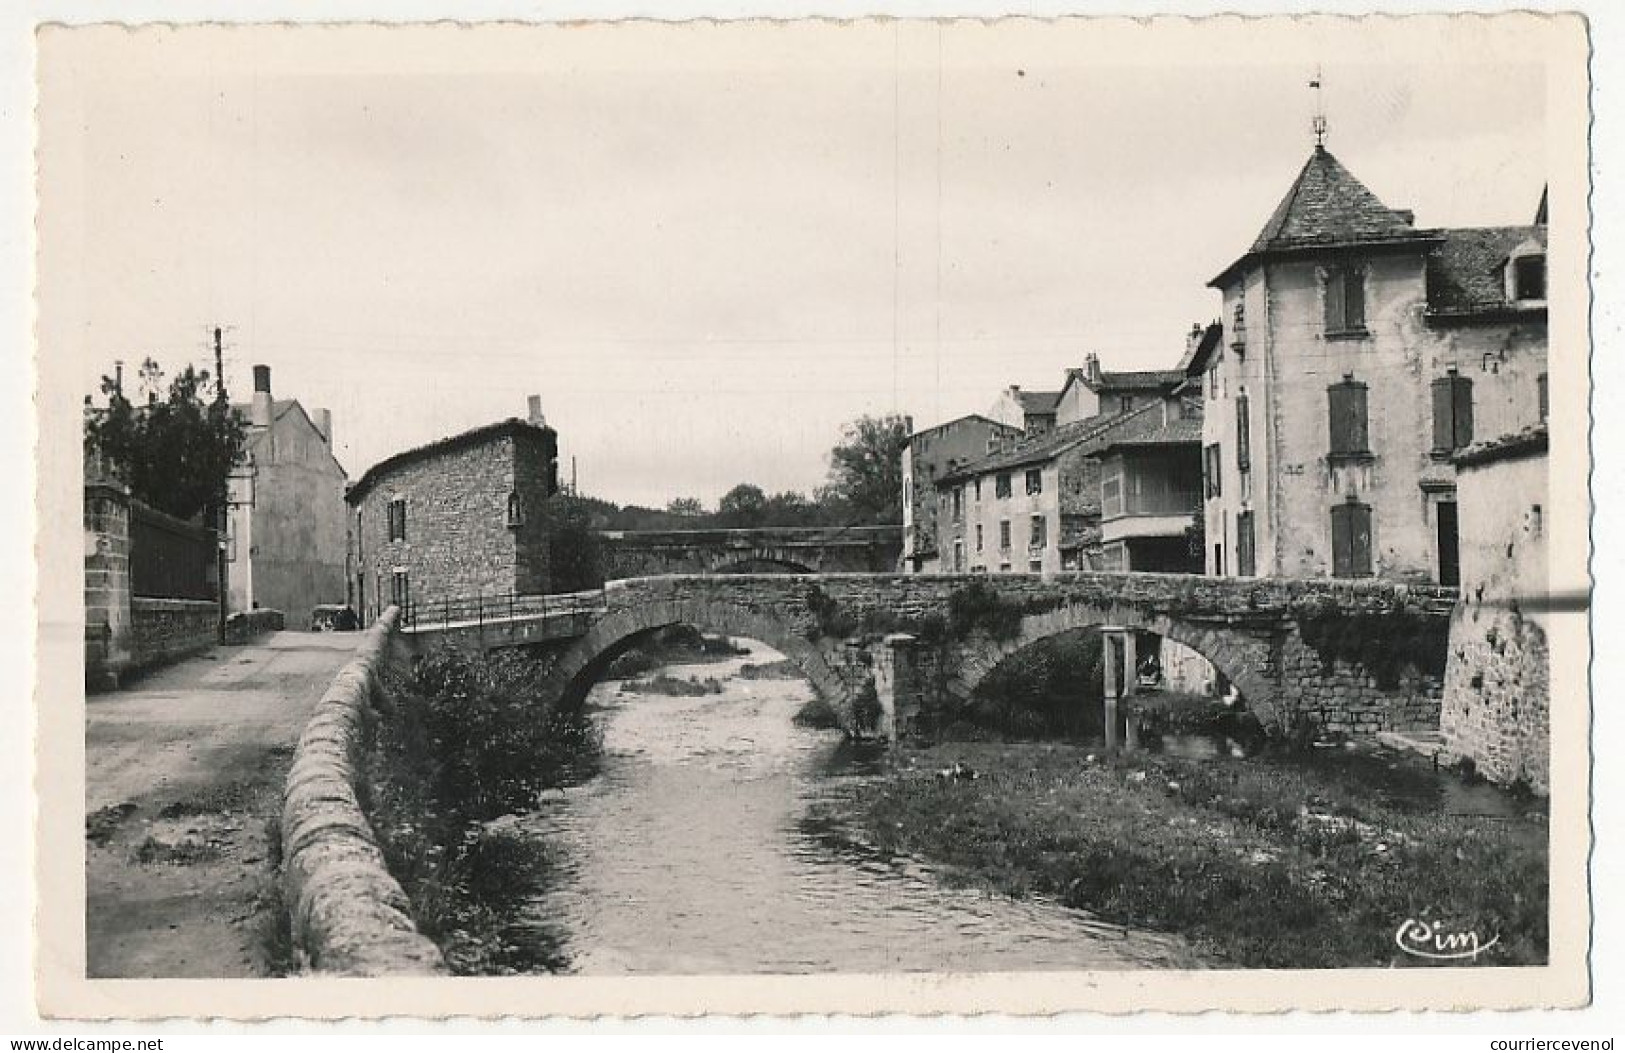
(465,744)
(1303,855)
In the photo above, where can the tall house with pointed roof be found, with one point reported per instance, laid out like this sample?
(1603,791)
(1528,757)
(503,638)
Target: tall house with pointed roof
(1360,353)
(285,513)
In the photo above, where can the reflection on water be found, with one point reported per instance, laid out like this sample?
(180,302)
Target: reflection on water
(694,851)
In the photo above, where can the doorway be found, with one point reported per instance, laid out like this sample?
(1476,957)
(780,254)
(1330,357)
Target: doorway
(1449,544)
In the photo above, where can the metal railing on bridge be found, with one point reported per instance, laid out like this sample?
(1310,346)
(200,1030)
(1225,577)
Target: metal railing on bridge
(495,608)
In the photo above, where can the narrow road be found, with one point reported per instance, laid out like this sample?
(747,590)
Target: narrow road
(183,771)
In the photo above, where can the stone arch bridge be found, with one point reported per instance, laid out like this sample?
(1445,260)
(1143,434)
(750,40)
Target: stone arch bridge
(1360,656)
(770,550)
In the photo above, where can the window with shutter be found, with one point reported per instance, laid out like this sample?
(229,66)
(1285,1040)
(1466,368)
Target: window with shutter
(1346,403)
(1351,540)
(1244,444)
(1246,563)
(1452,413)
(1004,535)
(1345,301)
(1212,469)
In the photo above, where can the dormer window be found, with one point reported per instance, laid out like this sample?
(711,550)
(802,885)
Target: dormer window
(1526,273)
(1529,278)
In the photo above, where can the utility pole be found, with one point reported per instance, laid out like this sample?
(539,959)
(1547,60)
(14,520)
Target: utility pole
(222,498)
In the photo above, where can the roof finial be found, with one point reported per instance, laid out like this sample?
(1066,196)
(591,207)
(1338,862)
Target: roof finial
(1319,122)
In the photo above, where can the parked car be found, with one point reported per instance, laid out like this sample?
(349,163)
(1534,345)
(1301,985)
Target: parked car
(333,617)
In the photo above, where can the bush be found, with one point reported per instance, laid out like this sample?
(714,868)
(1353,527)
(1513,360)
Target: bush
(467,740)
(477,731)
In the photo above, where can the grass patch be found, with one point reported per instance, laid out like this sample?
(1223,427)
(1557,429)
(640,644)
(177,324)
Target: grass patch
(229,797)
(101,824)
(783,669)
(816,714)
(1262,863)
(674,686)
(153,852)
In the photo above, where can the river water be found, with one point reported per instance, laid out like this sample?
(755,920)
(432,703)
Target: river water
(698,849)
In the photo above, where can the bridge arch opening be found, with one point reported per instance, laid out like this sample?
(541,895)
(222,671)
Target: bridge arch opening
(755,564)
(588,660)
(1189,657)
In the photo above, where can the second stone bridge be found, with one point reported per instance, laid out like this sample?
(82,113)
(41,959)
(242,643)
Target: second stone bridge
(1359,656)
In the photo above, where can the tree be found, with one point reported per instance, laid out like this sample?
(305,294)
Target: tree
(866,468)
(175,453)
(743,506)
(575,549)
(686,506)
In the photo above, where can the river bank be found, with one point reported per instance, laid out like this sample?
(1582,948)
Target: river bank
(1310,860)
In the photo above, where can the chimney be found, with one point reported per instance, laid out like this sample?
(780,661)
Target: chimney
(323,419)
(908,424)
(259,411)
(534,414)
(1091,366)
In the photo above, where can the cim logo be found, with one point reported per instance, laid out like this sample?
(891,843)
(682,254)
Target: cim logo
(1430,939)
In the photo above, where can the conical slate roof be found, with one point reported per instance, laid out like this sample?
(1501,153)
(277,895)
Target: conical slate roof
(1328,206)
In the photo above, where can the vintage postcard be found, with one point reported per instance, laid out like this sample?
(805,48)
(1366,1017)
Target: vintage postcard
(891,515)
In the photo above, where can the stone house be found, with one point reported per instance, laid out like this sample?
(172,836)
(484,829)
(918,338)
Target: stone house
(1031,411)
(1079,497)
(1092,392)
(1361,352)
(285,523)
(1497,681)
(461,517)
(928,455)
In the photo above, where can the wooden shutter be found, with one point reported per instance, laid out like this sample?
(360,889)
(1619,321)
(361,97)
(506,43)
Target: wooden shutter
(1351,540)
(1461,397)
(1335,307)
(1353,299)
(1244,443)
(1347,417)
(1444,427)
(1452,413)
(1245,559)
(1213,466)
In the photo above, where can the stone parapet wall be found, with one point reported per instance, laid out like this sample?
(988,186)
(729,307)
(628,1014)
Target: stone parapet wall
(247,625)
(1497,708)
(349,916)
(167,630)
(1252,630)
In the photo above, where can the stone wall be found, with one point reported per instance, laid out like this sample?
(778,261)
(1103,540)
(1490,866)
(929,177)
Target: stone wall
(457,541)
(1497,690)
(107,584)
(349,916)
(166,630)
(245,626)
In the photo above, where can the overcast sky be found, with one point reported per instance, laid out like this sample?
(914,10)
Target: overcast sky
(707,247)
